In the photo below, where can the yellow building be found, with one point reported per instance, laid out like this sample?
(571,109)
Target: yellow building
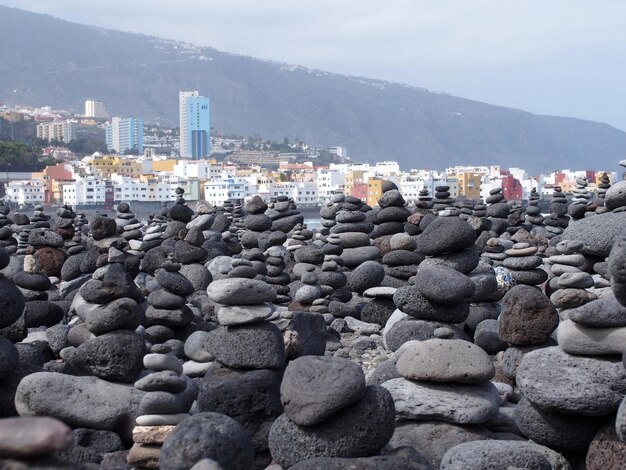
(469,184)
(105,165)
(374,191)
(163,165)
(131,168)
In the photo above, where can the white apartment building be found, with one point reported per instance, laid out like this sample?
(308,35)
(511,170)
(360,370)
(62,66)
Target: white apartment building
(88,190)
(25,191)
(95,109)
(232,189)
(57,130)
(387,168)
(200,169)
(328,182)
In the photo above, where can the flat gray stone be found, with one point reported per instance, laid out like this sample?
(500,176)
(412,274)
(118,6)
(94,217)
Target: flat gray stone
(240,291)
(492,454)
(555,380)
(453,403)
(575,338)
(445,360)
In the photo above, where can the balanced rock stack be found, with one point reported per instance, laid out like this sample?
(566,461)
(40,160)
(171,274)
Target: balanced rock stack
(533,215)
(39,218)
(442,199)
(526,321)
(572,391)
(603,187)
(558,219)
(255,222)
(580,201)
(392,215)
(424,200)
(479,210)
(64,226)
(353,230)
(523,263)
(497,210)
(570,281)
(105,343)
(34,281)
(277,275)
(167,315)
(329,412)
(401,260)
(328,213)
(21,226)
(284,214)
(249,356)
(180,214)
(130,226)
(168,398)
(437,297)
(442,381)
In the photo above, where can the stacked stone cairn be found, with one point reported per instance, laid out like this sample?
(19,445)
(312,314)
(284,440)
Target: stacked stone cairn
(424,200)
(328,213)
(437,297)
(330,414)
(533,216)
(524,264)
(570,393)
(130,226)
(284,214)
(570,281)
(401,260)
(442,199)
(39,218)
(64,226)
(581,200)
(353,230)
(249,356)
(166,402)
(167,315)
(34,281)
(392,215)
(444,387)
(558,220)
(104,343)
(603,187)
(497,210)
(21,226)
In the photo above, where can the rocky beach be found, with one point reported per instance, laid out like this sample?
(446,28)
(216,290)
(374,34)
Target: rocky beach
(436,335)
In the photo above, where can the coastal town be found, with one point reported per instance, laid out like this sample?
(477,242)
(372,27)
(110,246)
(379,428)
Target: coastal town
(146,163)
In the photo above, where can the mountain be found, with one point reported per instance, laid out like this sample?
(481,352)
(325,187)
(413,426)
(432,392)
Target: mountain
(44,60)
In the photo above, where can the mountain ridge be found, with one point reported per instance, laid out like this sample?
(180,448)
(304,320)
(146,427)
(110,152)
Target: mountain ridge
(140,75)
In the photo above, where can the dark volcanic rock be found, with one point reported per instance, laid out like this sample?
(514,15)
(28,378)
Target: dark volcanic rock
(357,431)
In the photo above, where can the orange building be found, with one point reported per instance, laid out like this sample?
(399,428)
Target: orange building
(374,191)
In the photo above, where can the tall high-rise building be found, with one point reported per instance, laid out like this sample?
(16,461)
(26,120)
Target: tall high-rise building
(58,130)
(95,109)
(123,135)
(195,125)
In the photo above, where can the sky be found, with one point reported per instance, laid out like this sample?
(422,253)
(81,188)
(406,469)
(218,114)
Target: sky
(559,57)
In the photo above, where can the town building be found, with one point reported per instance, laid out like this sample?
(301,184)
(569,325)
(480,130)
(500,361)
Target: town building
(195,125)
(124,135)
(95,109)
(25,191)
(64,131)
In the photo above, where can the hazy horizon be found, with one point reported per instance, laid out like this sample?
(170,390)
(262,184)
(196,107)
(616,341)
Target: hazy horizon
(561,58)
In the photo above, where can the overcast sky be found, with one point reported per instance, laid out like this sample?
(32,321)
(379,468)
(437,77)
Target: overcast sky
(561,57)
